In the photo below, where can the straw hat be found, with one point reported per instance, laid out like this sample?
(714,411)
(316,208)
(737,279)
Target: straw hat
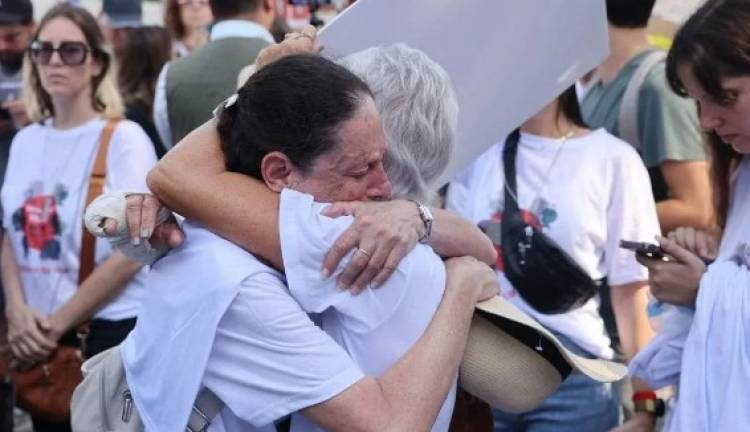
(513,363)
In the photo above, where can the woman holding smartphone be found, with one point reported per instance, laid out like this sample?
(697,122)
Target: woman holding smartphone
(710,63)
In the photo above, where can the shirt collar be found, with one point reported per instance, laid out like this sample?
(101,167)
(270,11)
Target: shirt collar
(240,28)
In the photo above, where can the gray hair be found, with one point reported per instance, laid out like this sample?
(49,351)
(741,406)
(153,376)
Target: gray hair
(418,105)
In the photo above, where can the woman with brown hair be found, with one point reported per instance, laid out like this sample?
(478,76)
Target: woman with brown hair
(72,102)
(188,21)
(710,63)
(145,52)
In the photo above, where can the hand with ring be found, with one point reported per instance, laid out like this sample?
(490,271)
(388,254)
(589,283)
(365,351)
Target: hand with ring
(382,234)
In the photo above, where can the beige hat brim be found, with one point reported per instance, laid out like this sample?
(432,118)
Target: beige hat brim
(597,369)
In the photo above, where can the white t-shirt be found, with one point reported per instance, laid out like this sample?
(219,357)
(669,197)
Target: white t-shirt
(215,316)
(377,326)
(715,377)
(595,194)
(43,202)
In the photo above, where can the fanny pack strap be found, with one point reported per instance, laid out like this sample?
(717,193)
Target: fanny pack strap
(207,406)
(510,206)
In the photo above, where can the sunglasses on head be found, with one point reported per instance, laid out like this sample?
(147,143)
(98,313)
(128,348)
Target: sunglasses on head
(71,53)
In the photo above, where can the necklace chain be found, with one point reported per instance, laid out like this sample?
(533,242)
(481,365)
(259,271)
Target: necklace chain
(561,142)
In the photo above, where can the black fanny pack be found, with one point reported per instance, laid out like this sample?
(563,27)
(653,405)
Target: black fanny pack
(544,274)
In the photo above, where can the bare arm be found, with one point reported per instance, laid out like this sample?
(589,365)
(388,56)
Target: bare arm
(105,282)
(243,210)
(232,205)
(629,303)
(454,236)
(690,203)
(409,395)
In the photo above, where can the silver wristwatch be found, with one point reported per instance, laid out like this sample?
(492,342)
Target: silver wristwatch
(426,215)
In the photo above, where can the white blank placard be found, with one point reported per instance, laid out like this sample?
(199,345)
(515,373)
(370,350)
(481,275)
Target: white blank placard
(507,58)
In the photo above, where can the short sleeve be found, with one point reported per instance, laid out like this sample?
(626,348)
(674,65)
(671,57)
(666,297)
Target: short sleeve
(631,215)
(131,157)
(668,123)
(306,237)
(269,360)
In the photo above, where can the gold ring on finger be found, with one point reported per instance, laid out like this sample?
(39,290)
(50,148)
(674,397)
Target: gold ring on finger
(364,252)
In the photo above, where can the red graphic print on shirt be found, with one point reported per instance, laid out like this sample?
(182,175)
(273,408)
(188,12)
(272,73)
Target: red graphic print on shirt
(38,220)
(491,227)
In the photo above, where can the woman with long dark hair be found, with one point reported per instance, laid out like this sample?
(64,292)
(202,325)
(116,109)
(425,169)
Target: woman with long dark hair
(710,63)
(144,53)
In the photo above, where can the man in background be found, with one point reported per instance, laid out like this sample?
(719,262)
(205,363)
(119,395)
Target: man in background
(190,88)
(664,128)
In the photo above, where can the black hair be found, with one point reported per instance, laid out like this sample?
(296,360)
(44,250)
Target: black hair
(568,107)
(226,9)
(295,106)
(714,44)
(629,13)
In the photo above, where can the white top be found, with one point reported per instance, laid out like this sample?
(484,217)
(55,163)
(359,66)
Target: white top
(43,202)
(596,194)
(215,316)
(376,327)
(715,378)
(220,30)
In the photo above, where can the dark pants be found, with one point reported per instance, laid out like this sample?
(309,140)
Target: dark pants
(103,334)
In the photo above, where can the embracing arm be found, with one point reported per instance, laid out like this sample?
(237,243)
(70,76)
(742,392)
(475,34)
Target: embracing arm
(454,236)
(243,210)
(232,205)
(409,395)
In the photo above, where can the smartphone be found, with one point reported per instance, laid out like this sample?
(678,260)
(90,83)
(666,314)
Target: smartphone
(648,249)
(654,251)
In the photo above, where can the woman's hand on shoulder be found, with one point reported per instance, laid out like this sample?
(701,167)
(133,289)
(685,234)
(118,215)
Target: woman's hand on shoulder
(382,234)
(301,42)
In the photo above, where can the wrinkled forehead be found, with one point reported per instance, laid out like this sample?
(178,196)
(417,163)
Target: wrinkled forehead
(360,139)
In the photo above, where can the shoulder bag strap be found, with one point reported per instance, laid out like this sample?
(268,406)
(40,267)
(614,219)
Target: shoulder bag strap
(510,206)
(627,120)
(96,186)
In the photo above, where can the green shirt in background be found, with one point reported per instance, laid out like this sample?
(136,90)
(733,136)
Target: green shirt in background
(667,123)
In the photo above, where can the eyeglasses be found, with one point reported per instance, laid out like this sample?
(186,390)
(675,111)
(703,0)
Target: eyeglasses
(194,3)
(71,53)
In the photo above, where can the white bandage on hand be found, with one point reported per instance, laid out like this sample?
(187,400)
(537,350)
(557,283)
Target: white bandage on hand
(112,205)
